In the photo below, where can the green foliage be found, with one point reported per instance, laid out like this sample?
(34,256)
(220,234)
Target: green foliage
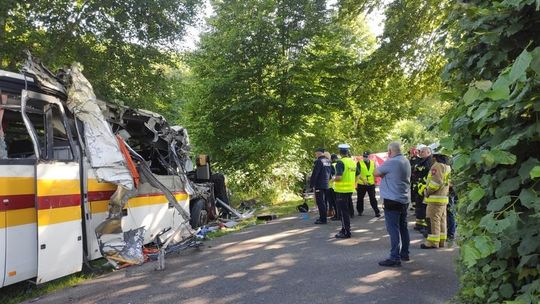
(123,45)
(493,64)
(273,80)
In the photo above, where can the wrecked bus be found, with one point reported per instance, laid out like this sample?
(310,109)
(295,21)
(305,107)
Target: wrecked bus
(62,203)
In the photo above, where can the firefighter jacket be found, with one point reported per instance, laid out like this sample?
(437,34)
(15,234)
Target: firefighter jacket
(438,184)
(419,173)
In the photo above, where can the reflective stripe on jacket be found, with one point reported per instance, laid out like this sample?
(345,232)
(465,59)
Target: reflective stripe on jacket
(437,184)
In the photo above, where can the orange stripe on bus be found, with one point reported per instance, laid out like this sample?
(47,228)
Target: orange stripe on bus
(16,185)
(2,219)
(99,206)
(103,206)
(21,217)
(58,187)
(58,215)
(94,185)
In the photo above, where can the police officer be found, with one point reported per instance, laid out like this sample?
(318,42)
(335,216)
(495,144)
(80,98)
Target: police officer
(330,194)
(366,183)
(319,182)
(419,173)
(344,187)
(436,197)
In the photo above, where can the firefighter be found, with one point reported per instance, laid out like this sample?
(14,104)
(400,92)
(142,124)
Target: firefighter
(366,183)
(419,174)
(346,173)
(436,197)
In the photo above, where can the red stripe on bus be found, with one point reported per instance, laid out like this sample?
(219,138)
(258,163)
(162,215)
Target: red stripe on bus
(99,195)
(14,202)
(59,201)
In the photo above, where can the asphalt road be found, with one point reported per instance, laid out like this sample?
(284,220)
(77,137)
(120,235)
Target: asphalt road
(288,260)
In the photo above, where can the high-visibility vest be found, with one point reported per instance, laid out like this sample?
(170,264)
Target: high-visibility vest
(331,182)
(346,184)
(367,174)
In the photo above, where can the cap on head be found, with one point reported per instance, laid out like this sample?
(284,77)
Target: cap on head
(441,158)
(434,146)
(320,150)
(366,154)
(343,148)
(420,147)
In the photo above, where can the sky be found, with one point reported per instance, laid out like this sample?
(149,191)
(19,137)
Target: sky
(375,21)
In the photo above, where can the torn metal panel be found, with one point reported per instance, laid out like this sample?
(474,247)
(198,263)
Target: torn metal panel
(101,145)
(46,80)
(126,249)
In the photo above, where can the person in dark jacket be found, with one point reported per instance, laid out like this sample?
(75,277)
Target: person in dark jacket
(319,182)
(419,174)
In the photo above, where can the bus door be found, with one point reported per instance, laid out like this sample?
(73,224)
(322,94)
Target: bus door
(18,244)
(58,191)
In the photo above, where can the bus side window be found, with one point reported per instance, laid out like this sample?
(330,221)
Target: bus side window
(58,146)
(15,142)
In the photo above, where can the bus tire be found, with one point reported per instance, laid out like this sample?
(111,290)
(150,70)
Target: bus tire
(198,214)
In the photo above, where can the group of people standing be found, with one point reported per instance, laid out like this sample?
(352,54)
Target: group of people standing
(334,180)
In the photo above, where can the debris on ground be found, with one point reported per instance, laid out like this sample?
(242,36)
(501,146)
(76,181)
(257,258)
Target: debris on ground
(267,217)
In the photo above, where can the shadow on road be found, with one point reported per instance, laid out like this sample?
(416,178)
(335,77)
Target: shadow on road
(286,261)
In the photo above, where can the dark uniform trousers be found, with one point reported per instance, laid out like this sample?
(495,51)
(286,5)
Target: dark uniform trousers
(361,193)
(344,203)
(320,198)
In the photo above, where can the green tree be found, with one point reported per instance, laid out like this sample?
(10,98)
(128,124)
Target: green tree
(494,72)
(273,77)
(123,45)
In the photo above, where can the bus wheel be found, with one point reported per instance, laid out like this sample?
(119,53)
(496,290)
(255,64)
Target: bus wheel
(199,215)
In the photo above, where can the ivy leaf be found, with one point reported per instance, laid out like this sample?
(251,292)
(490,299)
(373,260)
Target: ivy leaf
(471,95)
(484,245)
(528,198)
(507,186)
(497,226)
(535,172)
(506,290)
(483,111)
(508,143)
(460,161)
(520,66)
(535,63)
(448,143)
(500,92)
(498,204)
(483,85)
(476,194)
(527,168)
(480,291)
(471,255)
(503,157)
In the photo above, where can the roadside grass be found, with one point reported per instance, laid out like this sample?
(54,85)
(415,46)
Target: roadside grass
(24,291)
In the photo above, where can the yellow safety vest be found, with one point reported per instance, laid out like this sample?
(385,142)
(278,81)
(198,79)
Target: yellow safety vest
(331,182)
(367,174)
(346,184)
